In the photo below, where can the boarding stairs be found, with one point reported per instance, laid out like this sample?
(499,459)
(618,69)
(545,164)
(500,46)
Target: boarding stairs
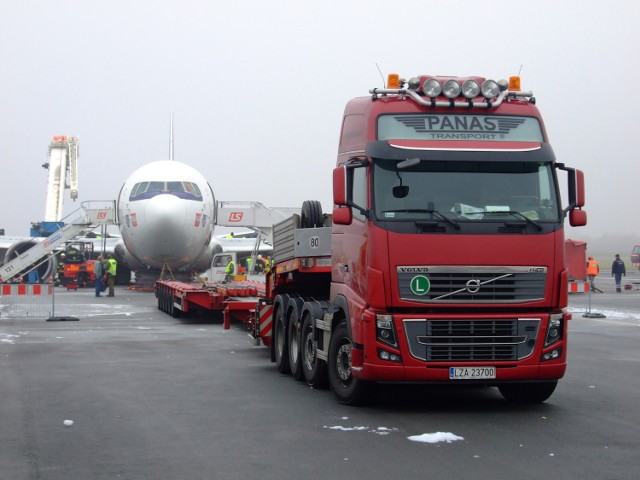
(89,216)
(254,216)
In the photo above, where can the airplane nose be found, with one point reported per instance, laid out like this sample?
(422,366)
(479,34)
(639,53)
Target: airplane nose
(169,217)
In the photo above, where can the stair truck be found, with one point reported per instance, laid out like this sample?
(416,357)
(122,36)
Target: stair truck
(443,259)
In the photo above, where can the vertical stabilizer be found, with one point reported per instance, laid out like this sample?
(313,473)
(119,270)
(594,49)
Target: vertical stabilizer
(171,137)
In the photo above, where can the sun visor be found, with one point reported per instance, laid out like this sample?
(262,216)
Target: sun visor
(461,151)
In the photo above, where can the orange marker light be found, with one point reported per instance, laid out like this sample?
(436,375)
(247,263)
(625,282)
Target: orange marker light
(514,84)
(393,80)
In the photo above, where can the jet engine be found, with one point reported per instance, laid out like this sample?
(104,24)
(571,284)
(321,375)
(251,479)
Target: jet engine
(46,270)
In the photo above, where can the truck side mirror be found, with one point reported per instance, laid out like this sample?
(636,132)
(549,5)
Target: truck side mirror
(580,189)
(342,215)
(575,180)
(340,186)
(577,218)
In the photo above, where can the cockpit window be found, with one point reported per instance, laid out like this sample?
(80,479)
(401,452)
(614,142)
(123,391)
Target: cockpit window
(146,190)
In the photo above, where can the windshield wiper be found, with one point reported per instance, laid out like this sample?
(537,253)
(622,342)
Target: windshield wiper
(434,213)
(515,213)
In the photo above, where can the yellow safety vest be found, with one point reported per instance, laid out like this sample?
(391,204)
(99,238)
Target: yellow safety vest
(113,264)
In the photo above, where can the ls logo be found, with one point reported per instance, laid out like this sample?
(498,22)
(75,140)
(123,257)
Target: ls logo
(235,216)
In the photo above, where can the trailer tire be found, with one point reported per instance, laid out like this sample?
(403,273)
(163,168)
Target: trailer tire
(280,341)
(293,342)
(175,312)
(313,369)
(348,389)
(528,392)
(311,214)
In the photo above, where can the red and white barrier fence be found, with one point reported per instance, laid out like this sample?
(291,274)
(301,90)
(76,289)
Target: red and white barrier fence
(21,300)
(578,287)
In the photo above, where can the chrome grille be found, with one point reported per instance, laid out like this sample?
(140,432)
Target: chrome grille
(461,340)
(472,284)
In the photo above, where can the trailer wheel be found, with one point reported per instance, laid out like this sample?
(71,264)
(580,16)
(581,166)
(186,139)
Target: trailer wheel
(280,342)
(175,312)
(311,214)
(528,392)
(293,341)
(314,369)
(161,300)
(348,389)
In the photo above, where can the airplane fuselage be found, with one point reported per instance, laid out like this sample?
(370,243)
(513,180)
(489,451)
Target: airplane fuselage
(166,213)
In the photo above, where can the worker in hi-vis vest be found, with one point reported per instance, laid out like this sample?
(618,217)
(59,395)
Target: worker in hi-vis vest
(112,265)
(229,271)
(593,270)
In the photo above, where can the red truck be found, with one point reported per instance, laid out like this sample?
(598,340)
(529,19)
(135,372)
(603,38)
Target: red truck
(443,259)
(635,255)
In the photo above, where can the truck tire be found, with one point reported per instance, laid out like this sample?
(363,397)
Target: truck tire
(313,369)
(347,389)
(280,340)
(293,342)
(528,392)
(311,214)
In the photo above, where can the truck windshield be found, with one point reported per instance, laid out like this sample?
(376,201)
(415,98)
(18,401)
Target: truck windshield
(465,191)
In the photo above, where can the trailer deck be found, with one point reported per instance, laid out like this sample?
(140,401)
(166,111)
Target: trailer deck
(236,300)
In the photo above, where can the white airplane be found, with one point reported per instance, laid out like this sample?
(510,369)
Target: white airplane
(166,214)
(166,211)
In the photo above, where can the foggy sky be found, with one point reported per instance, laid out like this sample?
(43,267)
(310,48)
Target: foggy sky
(258,88)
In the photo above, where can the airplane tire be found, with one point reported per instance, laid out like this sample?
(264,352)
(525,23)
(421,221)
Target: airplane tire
(311,214)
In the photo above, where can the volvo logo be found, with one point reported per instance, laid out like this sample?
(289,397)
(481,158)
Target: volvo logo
(473,285)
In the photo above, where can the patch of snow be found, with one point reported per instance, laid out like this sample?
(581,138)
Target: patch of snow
(435,437)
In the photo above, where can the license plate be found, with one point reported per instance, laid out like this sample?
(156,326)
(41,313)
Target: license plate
(471,373)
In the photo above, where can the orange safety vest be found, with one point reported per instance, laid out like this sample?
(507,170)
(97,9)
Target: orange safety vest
(592,267)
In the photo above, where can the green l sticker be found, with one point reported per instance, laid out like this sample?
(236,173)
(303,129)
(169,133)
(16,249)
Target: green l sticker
(420,285)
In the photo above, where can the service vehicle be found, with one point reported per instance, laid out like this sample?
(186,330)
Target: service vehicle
(443,260)
(635,256)
(576,257)
(76,265)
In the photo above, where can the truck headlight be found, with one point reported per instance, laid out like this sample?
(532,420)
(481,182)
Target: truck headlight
(490,89)
(385,332)
(554,329)
(470,89)
(432,88)
(451,89)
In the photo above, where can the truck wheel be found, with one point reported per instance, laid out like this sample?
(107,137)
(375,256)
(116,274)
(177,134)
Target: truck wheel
(311,214)
(313,369)
(293,341)
(348,389)
(280,342)
(528,392)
